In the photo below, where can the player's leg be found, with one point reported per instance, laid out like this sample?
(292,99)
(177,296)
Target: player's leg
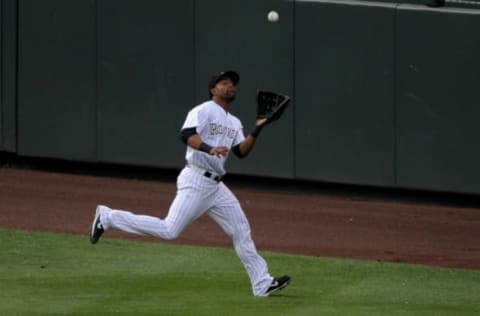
(228,213)
(191,201)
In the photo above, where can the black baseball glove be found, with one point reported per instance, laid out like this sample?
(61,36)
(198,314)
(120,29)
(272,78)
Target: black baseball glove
(271,105)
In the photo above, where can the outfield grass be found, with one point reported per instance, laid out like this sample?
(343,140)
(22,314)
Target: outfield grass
(54,274)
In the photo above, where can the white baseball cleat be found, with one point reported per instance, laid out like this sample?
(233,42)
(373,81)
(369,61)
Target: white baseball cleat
(277,284)
(97,227)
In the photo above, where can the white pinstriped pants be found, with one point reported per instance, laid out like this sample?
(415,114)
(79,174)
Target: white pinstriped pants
(196,195)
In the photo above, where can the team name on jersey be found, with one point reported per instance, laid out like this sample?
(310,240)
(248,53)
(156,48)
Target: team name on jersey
(218,129)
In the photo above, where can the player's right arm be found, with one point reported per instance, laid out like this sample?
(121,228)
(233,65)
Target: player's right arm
(190,138)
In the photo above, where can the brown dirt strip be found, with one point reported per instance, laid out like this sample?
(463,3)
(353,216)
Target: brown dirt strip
(289,218)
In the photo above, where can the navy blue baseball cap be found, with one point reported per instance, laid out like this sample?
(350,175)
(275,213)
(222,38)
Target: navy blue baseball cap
(216,78)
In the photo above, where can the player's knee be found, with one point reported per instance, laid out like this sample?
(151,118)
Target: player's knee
(172,234)
(242,238)
(241,233)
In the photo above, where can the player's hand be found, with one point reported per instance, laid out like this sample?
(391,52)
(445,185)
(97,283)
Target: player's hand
(219,151)
(261,121)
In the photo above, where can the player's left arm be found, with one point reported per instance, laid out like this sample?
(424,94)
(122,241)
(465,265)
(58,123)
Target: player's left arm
(245,147)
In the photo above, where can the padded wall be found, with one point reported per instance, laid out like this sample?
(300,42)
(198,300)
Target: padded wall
(56,79)
(145,80)
(344,87)
(8,98)
(383,94)
(438,99)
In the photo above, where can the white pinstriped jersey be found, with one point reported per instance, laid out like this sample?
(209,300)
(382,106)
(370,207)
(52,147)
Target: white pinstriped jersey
(216,127)
(197,194)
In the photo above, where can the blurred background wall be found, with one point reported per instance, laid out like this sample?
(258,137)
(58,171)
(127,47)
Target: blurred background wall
(385,93)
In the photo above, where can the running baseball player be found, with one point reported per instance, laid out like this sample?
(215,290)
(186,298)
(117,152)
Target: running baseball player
(210,132)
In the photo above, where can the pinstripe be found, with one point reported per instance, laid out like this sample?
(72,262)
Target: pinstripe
(196,195)
(228,214)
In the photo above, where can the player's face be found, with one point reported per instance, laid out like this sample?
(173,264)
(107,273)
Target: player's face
(225,89)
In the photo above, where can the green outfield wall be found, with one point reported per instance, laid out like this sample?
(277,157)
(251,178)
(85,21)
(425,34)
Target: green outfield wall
(8,76)
(385,94)
(1,82)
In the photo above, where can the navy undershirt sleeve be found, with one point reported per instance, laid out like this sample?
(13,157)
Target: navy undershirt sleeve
(186,133)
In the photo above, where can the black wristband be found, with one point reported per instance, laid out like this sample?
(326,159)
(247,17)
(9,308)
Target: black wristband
(256,131)
(205,148)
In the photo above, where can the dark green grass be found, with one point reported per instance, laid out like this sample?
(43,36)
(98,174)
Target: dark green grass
(54,274)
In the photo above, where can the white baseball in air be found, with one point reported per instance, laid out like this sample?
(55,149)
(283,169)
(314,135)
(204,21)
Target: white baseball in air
(273,16)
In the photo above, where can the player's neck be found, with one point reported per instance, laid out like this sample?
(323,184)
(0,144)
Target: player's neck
(225,104)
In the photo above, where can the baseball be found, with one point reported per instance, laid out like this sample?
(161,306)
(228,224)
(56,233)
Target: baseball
(273,16)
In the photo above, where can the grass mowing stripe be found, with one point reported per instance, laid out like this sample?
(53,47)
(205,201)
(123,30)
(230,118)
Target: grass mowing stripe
(56,274)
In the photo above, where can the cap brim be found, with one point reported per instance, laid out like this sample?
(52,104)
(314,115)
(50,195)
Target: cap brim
(231,74)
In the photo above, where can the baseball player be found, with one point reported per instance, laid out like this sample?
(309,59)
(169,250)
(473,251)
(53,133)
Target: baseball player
(210,132)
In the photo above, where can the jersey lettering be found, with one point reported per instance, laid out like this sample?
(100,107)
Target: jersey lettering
(218,129)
